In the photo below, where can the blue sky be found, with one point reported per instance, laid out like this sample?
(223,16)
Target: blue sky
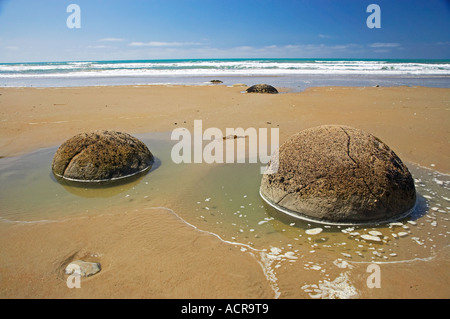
(33,30)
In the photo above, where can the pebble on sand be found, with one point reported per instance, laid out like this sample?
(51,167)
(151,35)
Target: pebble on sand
(370,237)
(314,231)
(375,233)
(82,268)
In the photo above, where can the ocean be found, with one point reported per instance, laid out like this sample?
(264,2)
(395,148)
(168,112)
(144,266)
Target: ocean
(295,74)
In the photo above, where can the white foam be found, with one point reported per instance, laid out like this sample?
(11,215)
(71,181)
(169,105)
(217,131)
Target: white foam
(9,221)
(339,288)
(212,68)
(265,261)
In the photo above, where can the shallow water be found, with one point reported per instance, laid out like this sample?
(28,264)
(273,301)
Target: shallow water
(224,199)
(228,203)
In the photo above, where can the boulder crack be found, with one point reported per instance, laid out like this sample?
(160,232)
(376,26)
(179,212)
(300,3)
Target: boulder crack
(296,190)
(84,147)
(287,194)
(357,166)
(69,162)
(348,147)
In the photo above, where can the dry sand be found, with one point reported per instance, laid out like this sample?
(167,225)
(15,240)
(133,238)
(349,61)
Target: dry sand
(158,255)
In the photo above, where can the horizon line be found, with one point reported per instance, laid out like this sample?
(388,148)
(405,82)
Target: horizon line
(254,58)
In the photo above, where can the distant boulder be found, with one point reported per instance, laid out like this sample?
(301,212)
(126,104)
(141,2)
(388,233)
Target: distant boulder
(262,88)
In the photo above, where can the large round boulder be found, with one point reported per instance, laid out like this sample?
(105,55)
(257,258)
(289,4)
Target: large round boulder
(262,88)
(338,175)
(101,156)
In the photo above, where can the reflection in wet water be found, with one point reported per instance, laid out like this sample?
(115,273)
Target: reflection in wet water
(227,202)
(105,189)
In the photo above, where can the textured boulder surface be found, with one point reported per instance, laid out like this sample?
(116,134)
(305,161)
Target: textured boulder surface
(101,156)
(262,88)
(339,174)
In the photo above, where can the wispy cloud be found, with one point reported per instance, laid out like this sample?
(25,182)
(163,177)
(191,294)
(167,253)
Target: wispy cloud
(111,40)
(324,36)
(384,45)
(97,46)
(286,50)
(187,50)
(314,47)
(162,44)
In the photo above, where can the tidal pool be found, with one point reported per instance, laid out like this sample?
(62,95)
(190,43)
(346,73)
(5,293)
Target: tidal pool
(224,199)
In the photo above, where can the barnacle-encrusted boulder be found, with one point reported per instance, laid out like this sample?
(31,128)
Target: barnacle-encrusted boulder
(338,174)
(101,156)
(262,88)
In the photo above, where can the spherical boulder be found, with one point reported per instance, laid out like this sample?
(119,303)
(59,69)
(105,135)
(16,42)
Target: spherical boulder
(262,88)
(101,156)
(338,175)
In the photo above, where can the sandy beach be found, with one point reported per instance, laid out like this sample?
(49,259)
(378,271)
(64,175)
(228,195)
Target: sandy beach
(158,254)
(33,118)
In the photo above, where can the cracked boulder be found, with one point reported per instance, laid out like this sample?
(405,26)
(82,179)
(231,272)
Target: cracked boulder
(339,175)
(101,156)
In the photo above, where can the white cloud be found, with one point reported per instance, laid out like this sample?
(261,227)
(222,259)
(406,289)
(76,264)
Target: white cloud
(181,50)
(97,46)
(384,45)
(111,40)
(291,46)
(162,44)
(12,48)
(309,49)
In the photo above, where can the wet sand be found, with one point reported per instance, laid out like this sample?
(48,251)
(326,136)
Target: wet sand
(144,254)
(32,118)
(151,252)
